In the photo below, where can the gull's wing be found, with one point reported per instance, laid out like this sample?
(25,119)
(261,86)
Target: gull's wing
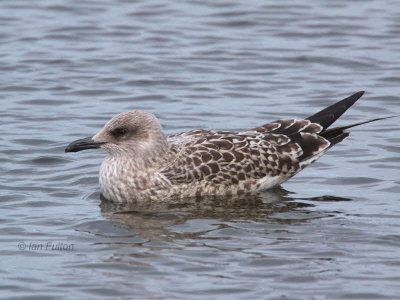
(277,149)
(281,148)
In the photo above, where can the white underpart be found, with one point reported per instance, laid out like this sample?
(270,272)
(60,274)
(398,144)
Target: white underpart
(268,182)
(313,158)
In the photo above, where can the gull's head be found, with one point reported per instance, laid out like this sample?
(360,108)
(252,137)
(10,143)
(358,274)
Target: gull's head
(129,132)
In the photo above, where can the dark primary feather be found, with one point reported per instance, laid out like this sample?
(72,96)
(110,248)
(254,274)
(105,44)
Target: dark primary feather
(329,115)
(332,131)
(333,134)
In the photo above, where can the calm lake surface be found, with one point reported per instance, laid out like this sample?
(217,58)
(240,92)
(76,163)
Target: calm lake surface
(332,232)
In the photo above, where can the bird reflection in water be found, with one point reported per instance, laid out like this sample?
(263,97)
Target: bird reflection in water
(155,219)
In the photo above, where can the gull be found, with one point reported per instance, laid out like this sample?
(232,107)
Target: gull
(142,163)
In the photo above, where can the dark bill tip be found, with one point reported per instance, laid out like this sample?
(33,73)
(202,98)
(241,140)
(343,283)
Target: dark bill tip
(83,144)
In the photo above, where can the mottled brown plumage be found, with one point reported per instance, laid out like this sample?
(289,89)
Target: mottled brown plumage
(143,164)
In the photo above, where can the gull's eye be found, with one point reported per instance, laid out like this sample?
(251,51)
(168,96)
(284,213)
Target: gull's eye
(118,132)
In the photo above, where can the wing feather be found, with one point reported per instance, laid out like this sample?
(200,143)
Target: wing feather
(280,148)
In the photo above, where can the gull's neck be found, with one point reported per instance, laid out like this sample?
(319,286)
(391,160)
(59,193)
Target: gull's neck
(142,154)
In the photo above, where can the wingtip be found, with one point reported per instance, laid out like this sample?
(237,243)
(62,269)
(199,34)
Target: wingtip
(330,114)
(357,95)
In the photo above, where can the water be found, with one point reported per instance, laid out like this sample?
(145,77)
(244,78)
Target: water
(332,232)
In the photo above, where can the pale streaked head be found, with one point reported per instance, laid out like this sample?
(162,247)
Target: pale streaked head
(133,131)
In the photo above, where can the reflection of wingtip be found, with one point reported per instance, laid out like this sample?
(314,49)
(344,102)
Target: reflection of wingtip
(327,198)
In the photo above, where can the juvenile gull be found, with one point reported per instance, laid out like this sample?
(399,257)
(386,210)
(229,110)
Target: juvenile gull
(144,164)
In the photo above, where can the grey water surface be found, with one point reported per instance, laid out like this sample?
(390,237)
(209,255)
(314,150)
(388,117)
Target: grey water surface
(331,232)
